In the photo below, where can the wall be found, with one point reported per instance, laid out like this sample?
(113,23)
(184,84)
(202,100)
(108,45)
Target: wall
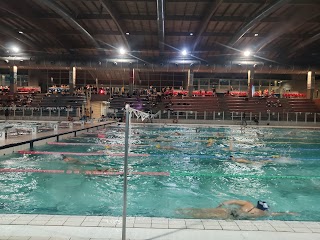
(299,83)
(38,78)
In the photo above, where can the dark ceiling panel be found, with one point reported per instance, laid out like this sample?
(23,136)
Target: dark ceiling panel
(288,30)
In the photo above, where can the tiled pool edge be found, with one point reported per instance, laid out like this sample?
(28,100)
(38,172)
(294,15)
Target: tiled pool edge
(159,223)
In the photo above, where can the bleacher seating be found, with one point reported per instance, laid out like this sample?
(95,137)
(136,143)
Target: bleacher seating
(302,105)
(197,104)
(118,103)
(58,101)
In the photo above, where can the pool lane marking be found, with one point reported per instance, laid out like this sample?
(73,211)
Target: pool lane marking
(172,174)
(86,172)
(83,154)
(92,144)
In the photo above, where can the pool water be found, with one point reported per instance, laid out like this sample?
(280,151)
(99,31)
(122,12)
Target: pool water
(201,172)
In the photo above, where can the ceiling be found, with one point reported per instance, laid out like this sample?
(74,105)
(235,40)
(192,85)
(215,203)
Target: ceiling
(56,34)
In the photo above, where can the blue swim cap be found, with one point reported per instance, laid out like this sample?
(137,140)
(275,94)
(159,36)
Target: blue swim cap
(262,205)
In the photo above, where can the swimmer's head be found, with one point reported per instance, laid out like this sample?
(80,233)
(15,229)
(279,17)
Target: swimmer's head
(108,146)
(262,205)
(275,156)
(63,156)
(231,156)
(158,146)
(210,140)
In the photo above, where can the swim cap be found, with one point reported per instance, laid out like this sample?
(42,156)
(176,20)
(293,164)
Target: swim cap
(262,205)
(158,146)
(108,146)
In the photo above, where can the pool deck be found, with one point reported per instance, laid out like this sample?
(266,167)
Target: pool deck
(23,142)
(42,227)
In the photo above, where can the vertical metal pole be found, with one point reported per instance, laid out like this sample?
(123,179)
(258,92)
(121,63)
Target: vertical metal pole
(125,175)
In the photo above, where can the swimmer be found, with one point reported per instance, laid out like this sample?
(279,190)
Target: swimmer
(260,134)
(76,161)
(246,161)
(162,139)
(177,134)
(107,170)
(210,142)
(70,160)
(226,210)
(158,146)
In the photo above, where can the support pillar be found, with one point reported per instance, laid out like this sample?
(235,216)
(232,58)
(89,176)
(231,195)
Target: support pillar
(190,82)
(34,131)
(3,80)
(310,84)
(2,135)
(72,79)
(13,79)
(250,82)
(55,127)
(131,81)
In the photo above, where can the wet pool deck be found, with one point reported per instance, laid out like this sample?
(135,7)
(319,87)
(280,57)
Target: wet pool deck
(38,227)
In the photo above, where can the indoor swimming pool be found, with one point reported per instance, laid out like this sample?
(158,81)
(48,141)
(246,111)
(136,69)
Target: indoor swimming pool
(171,167)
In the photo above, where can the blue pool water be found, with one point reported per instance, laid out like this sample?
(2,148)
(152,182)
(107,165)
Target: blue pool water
(201,173)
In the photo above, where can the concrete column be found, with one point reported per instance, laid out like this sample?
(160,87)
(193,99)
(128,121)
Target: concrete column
(34,131)
(250,82)
(72,79)
(3,80)
(97,85)
(13,79)
(131,81)
(55,127)
(2,135)
(190,82)
(310,84)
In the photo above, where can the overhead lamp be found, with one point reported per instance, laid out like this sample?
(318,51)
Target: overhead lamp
(191,34)
(7,61)
(15,49)
(256,34)
(122,51)
(127,33)
(184,52)
(20,32)
(247,53)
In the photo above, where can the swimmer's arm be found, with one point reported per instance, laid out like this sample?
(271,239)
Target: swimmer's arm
(283,213)
(234,202)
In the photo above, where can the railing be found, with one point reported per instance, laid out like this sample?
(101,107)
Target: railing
(31,113)
(237,117)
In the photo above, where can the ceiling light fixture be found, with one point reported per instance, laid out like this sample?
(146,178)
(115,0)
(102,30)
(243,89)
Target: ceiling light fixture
(20,32)
(256,34)
(122,51)
(247,53)
(184,52)
(15,49)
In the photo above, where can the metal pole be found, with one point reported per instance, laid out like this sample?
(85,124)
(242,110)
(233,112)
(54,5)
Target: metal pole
(125,175)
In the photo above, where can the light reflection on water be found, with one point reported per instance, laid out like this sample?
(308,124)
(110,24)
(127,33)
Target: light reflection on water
(202,175)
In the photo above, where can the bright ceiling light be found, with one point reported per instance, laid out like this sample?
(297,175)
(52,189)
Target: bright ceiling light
(184,52)
(122,51)
(247,53)
(191,34)
(127,33)
(15,49)
(20,32)
(256,34)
